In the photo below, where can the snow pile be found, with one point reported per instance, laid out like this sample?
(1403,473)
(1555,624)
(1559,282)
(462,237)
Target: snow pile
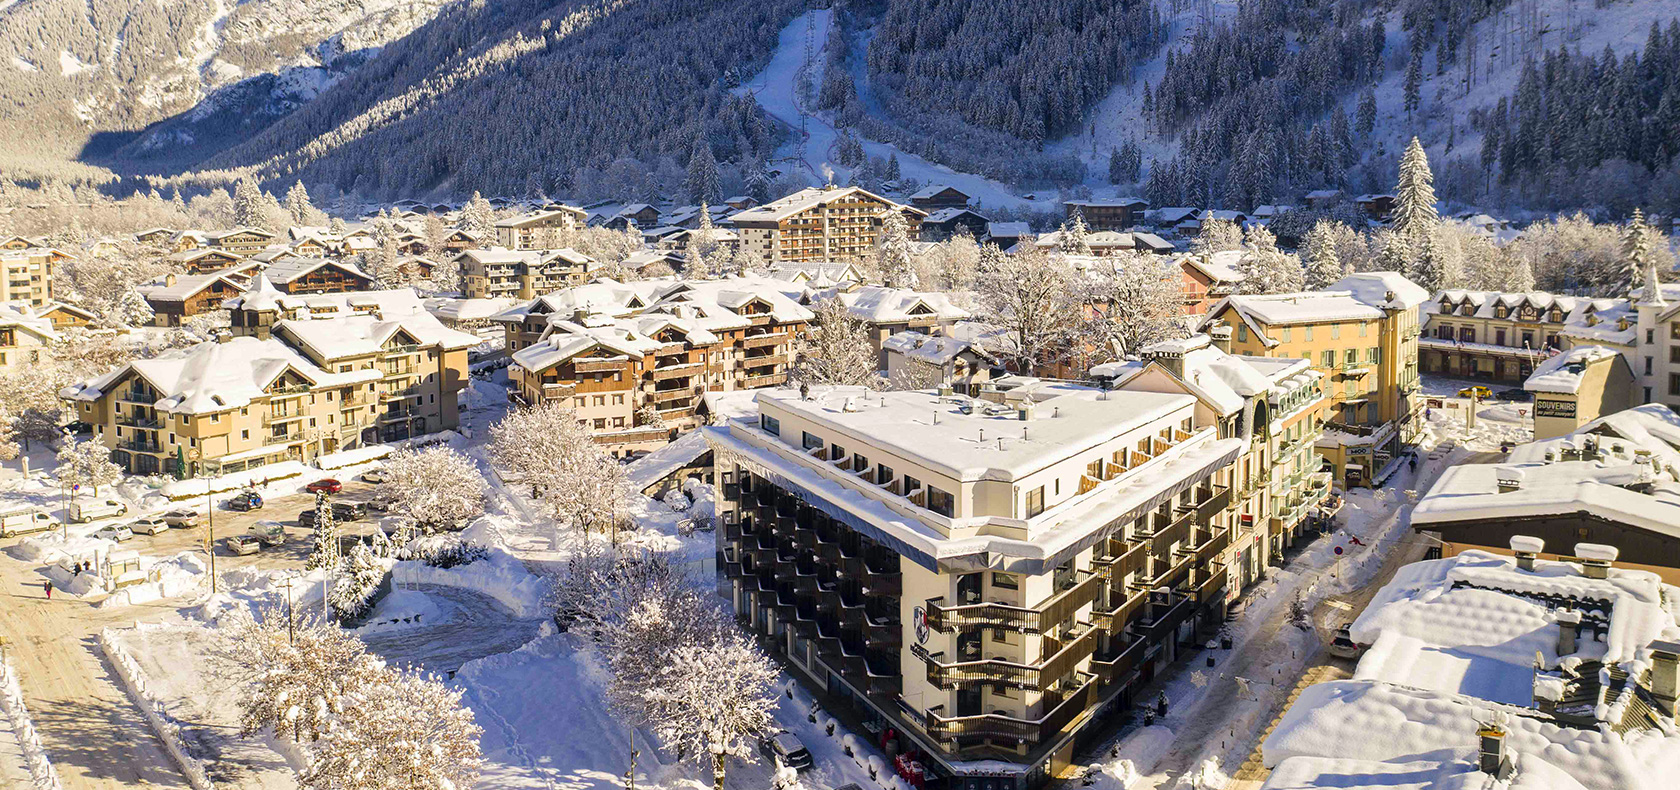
(166,728)
(41,769)
(168,578)
(500,576)
(262,477)
(407,609)
(50,547)
(354,457)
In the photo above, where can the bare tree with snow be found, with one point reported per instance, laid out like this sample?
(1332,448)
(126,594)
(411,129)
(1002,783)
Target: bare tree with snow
(836,349)
(713,699)
(301,673)
(87,464)
(893,252)
(1031,297)
(1133,300)
(579,484)
(437,487)
(400,731)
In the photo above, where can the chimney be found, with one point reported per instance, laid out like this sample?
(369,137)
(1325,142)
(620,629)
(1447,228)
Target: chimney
(1527,548)
(1595,559)
(1665,675)
(223,336)
(1569,627)
(1492,748)
(1221,334)
(1507,479)
(168,280)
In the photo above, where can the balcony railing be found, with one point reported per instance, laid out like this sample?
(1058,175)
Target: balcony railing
(665,396)
(760,341)
(678,371)
(285,438)
(1115,620)
(993,726)
(138,422)
(1055,610)
(994,671)
(139,446)
(401,350)
(597,366)
(771,380)
(1131,559)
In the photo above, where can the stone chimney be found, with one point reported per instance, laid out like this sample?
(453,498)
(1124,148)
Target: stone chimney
(1527,548)
(1221,334)
(168,280)
(1665,675)
(1569,628)
(223,336)
(1595,559)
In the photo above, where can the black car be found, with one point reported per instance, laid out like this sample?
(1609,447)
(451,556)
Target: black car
(1515,395)
(248,500)
(342,512)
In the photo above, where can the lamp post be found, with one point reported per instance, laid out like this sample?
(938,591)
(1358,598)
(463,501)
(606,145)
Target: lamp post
(210,517)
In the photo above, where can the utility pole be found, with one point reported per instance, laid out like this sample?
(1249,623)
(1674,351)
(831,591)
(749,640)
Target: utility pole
(630,775)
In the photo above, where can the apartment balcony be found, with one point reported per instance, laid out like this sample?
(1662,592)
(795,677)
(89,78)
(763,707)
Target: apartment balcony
(1165,531)
(139,446)
(667,396)
(1212,502)
(1120,661)
(1159,621)
(398,415)
(1170,576)
(1215,543)
(1115,620)
(771,380)
(682,371)
(285,438)
(1055,610)
(762,341)
(960,732)
(598,366)
(132,421)
(998,672)
(131,395)
(764,360)
(401,350)
(1133,557)
(278,419)
(1208,583)
(558,391)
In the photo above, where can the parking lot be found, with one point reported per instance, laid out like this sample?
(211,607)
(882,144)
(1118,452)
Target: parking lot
(285,510)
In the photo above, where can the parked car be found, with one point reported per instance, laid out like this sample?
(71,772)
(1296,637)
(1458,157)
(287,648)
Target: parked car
(1342,645)
(23,520)
(148,525)
(116,532)
(181,518)
(272,533)
(1516,395)
(382,503)
(349,511)
(375,476)
(1477,391)
(786,748)
(246,501)
(244,544)
(85,510)
(306,518)
(327,485)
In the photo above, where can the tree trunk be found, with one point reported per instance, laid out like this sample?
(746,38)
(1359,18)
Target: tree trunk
(717,771)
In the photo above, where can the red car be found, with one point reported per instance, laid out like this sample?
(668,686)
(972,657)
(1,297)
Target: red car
(328,485)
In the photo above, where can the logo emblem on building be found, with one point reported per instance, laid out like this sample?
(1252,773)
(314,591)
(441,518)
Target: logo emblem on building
(920,615)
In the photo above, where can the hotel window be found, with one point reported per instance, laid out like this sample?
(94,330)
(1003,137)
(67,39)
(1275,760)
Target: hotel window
(1005,581)
(1327,359)
(770,425)
(1308,331)
(883,474)
(810,440)
(944,504)
(1674,330)
(1035,501)
(1674,383)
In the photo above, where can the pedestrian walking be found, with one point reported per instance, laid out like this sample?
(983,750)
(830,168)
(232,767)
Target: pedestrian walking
(47,586)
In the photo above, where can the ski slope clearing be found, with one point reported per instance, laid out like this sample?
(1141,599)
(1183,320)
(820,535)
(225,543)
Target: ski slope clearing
(776,89)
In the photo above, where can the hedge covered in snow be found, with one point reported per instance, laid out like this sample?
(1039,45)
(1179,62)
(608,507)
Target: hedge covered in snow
(41,769)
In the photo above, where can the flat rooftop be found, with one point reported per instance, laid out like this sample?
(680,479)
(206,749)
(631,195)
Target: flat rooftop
(973,439)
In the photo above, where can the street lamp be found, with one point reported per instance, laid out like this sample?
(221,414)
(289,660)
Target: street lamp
(210,516)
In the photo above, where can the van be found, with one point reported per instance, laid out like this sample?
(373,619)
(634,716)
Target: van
(23,520)
(85,510)
(272,533)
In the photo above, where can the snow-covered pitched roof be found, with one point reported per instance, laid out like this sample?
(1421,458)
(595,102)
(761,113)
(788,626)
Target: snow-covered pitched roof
(532,217)
(933,190)
(1221,267)
(1008,230)
(183,287)
(286,270)
(950,213)
(1362,296)
(782,208)
(22,316)
(216,376)
(1223,381)
(932,349)
(878,304)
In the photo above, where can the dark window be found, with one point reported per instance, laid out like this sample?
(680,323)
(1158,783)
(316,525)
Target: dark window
(943,503)
(1005,581)
(770,425)
(883,474)
(811,440)
(1674,383)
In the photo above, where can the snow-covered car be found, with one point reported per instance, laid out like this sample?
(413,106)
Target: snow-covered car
(244,544)
(375,476)
(116,532)
(272,533)
(181,518)
(786,748)
(148,525)
(1342,644)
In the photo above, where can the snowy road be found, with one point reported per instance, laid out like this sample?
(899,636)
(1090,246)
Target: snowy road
(477,627)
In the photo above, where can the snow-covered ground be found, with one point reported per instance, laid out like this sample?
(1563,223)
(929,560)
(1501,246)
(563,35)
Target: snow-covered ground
(777,91)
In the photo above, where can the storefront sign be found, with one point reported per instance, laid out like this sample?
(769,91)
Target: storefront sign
(1554,408)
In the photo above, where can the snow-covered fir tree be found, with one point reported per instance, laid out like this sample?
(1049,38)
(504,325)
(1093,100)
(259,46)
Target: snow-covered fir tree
(1414,196)
(1266,269)
(1217,235)
(1636,251)
(701,183)
(131,310)
(478,217)
(1321,263)
(324,552)
(438,487)
(704,257)
(714,699)
(356,585)
(893,252)
(836,349)
(248,205)
(1076,237)
(1435,266)
(298,205)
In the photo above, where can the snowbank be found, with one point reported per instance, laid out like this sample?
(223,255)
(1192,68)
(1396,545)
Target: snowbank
(501,576)
(263,476)
(355,457)
(167,730)
(168,578)
(407,609)
(23,729)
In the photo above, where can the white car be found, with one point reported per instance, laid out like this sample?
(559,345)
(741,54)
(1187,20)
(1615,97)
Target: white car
(116,532)
(148,525)
(375,476)
(243,544)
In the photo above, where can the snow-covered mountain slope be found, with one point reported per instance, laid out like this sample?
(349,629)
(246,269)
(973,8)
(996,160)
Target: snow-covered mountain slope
(72,69)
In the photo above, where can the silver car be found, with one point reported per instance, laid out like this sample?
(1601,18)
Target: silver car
(181,518)
(116,532)
(148,525)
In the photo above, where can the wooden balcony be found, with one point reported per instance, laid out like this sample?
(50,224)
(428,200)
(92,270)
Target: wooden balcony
(678,371)
(962,731)
(598,366)
(764,359)
(770,380)
(998,672)
(761,341)
(666,396)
